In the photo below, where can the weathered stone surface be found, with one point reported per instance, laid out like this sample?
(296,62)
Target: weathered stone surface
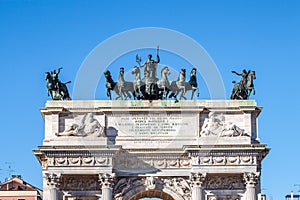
(151,148)
(156,124)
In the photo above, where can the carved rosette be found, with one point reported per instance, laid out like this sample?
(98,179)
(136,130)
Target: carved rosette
(197,179)
(53,180)
(251,178)
(106,180)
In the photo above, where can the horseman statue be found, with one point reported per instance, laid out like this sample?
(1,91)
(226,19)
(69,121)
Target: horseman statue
(243,89)
(56,89)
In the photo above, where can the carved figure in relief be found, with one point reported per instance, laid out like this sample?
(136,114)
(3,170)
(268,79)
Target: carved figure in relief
(216,125)
(212,125)
(123,185)
(224,182)
(231,130)
(87,126)
(150,183)
(179,185)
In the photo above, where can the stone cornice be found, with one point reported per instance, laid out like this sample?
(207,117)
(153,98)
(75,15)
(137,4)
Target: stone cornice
(225,147)
(138,105)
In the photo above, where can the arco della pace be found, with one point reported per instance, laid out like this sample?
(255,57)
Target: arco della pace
(193,149)
(150,147)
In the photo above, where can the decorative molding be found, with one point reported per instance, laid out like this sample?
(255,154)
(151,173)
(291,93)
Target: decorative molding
(224,160)
(79,161)
(158,163)
(144,163)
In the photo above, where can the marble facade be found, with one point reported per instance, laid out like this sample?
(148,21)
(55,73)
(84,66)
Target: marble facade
(126,150)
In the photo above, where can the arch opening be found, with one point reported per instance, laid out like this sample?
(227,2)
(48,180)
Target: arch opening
(152,194)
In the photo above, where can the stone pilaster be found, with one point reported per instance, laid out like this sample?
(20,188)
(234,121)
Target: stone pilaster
(53,182)
(197,180)
(106,182)
(251,179)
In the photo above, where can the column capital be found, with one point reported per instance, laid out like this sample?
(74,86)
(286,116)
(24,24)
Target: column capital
(106,180)
(251,178)
(197,179)
(53,179)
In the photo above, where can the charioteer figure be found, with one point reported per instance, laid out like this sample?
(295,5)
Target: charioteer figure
(150,87)
(150,68)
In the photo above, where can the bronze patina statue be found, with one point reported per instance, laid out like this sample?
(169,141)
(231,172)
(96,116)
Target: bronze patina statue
(150,87)
(242,90)
(56,89)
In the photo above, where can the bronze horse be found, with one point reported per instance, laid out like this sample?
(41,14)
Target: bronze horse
(181,86)
(57,91)
(121,88)
(243,89)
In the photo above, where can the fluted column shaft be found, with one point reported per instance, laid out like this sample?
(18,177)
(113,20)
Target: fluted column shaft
(53,193)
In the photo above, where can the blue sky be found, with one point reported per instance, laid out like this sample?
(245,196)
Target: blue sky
(38,36)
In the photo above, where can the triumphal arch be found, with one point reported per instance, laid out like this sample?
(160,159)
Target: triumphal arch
(130,149)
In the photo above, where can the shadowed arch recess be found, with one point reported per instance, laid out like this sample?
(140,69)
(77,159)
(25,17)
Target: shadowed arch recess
(152,194)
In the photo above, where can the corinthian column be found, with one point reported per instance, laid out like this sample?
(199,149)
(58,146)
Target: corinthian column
(251,179)
(106,182)
(53,181)
(197,180)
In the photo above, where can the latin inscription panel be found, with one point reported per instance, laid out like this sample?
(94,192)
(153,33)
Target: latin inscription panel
(155,125)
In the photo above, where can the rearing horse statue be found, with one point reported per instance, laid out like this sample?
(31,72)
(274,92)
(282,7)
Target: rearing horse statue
(243,89)
(57,91)
(110,84)
(138,84)
(163,84)
(124,87)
